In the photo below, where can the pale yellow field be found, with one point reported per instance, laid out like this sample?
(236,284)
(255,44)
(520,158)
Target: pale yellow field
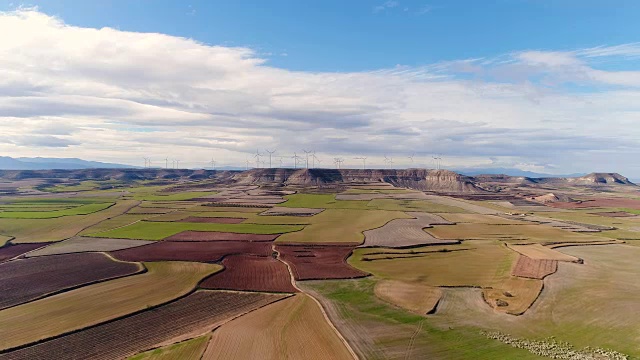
(293,328)
(485,263)
(96,303)
(540,252)
(521,294)
(341,225)
(418,298)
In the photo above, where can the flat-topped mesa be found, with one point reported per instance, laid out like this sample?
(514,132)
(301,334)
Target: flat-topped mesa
(602,178)
(434,180)
(420,179)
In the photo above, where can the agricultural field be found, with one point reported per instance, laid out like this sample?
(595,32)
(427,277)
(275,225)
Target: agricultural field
(293,328)
(192,269)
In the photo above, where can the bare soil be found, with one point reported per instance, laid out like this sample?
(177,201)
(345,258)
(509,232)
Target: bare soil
(251,273)
(317,262)
(534,268)
(28,279)
(203,251)
(10,251)
(186,236)
(124,337)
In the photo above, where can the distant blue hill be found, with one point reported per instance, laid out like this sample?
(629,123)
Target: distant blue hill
(512,172)
(41,163)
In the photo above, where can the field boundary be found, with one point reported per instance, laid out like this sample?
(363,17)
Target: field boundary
(141,270)
(324,313)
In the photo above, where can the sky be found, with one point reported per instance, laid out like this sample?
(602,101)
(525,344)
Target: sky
(543,86)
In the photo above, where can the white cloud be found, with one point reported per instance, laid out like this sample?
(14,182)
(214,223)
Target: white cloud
(111,95)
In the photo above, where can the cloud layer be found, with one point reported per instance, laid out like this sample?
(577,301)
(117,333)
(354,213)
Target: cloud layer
(105,94)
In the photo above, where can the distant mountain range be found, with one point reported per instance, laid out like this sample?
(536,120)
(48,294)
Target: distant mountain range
(41,163)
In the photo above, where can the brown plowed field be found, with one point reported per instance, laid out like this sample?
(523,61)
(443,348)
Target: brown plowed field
(10,251)
(213,220)
(600,203)
(314,262)
(29,279)
(252,273)
(534,268)
(204,251)
(202,310)
(220,236)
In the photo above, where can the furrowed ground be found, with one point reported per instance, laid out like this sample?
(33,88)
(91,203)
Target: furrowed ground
(89,305)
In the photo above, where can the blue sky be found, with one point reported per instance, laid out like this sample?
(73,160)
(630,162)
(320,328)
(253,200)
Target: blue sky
(339,35)
(545,86)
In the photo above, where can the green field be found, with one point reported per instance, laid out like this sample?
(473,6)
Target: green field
(79,210)
(149,230)
(381,331)
(341,226)
(186,350)
(59,228)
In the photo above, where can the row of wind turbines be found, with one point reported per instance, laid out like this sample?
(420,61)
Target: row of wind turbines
(302,161)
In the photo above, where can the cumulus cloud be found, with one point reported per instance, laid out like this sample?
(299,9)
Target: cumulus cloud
(113,95)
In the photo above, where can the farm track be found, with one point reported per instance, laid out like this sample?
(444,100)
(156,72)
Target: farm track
(322,309)
(251,273)
(196,236)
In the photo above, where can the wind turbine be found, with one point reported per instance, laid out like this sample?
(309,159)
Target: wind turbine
(166,163)
(146,160)
(386,159)
(270,153)
(247,164)
(177,164)
(411,158)
(295,160)
(213,164)
(307,152)
(280,158)
(313,160)
(257,156)
(390,163)
(337,161)
(173,164)
(437,159)
(364,161)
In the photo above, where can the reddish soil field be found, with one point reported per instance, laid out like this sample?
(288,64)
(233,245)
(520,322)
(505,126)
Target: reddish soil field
(10,250)
(613,214)
(315,262)
(534,268)
(219,236)
(252,273)
(213,220)
(203,251)
(119,339)
(25,280)
(606,202)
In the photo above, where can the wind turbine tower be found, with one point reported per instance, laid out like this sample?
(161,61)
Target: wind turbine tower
(257,156)
(166,163)
(270,153)
(411,158)
(364,161)
(213,164)
(307,152)
(313,159)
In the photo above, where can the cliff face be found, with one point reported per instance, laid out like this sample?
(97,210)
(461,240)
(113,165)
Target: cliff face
(420,179)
